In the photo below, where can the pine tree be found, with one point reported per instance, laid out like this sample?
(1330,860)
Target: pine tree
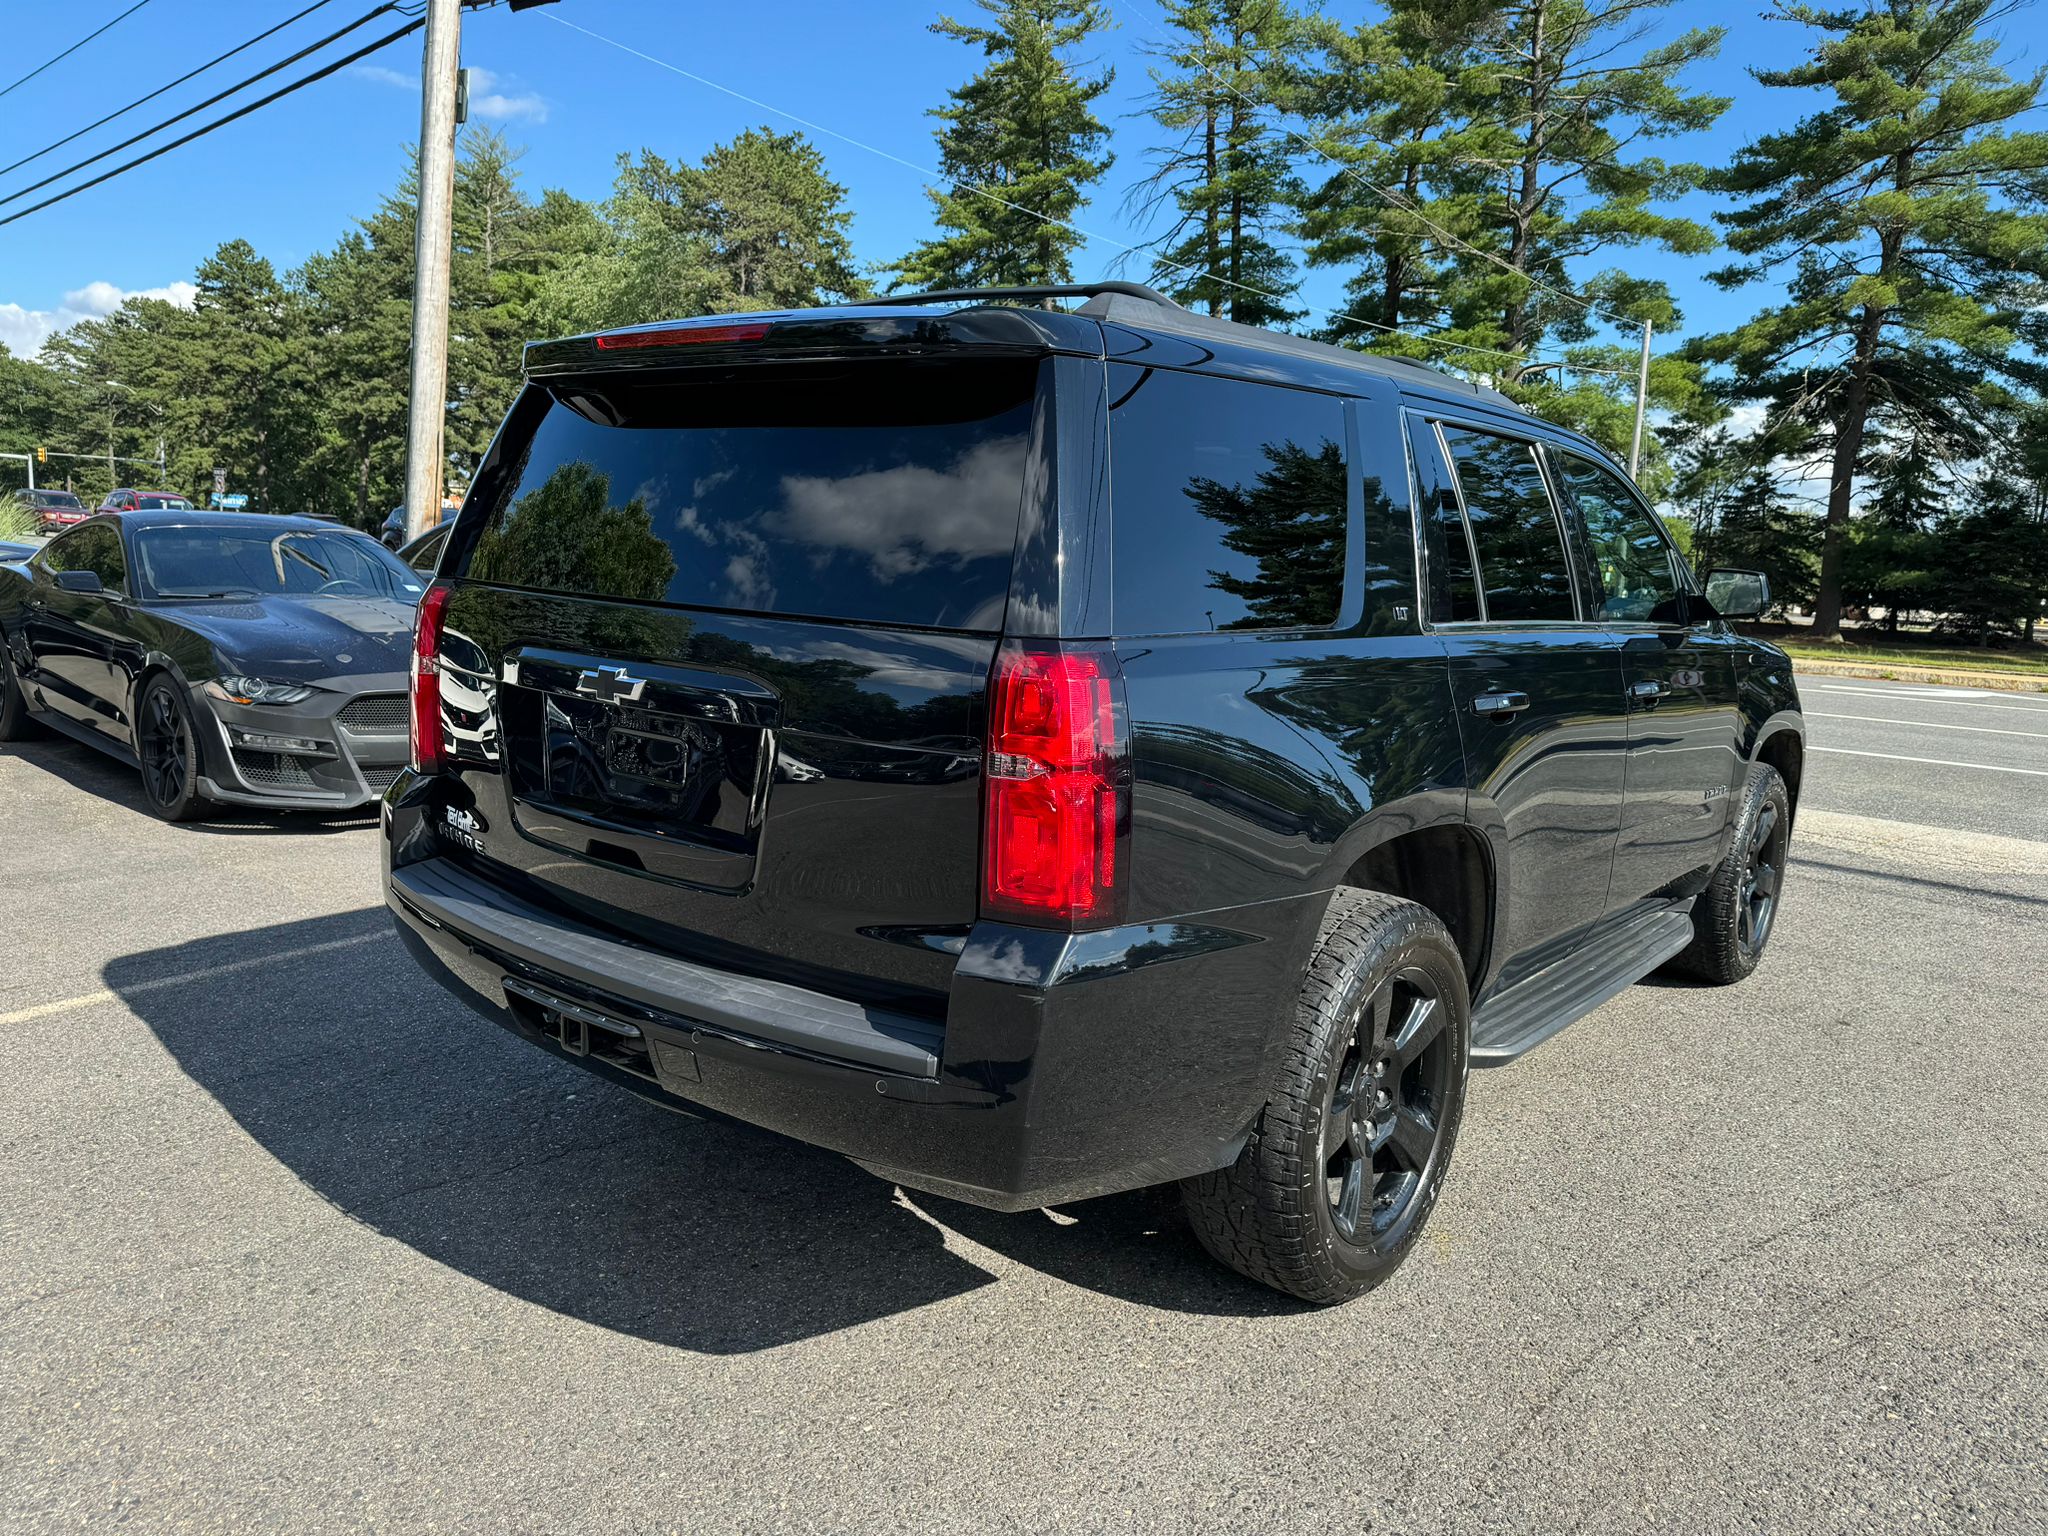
(1761,530)
(1501,142)
(1225,173)
(1020,145)
(1386,120)
(1910,214)
(776,227)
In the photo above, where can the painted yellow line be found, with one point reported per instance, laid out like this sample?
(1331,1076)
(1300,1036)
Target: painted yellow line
(179,979)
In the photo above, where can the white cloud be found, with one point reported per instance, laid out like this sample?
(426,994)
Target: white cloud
(492,97)
(25,330)
(383,76)
(487,101)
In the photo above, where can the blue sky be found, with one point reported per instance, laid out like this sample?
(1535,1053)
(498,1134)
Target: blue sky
(293,177)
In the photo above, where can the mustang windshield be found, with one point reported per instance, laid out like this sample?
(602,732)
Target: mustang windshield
(251,562)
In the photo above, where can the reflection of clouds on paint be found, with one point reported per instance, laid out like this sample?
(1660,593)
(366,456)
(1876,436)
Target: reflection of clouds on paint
(894,669)
(912,516)
(747,580)
(1005,962)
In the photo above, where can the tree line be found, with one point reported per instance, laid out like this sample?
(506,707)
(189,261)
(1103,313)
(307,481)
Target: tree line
(1480,174)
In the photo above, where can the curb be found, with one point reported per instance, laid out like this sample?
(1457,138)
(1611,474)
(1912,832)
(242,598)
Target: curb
(1951,677)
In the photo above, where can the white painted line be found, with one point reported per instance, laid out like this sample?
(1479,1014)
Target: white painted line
(44,1010)
(1928,725)
(1893,757)
(1930,696)
(89,999)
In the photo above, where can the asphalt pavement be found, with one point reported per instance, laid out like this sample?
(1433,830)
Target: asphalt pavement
(288,1242)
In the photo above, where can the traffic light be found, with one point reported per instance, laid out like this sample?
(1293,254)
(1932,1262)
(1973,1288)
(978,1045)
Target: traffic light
(42,455)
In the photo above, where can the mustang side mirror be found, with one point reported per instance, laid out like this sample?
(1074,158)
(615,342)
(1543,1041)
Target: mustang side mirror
(1738,594)
(79,581)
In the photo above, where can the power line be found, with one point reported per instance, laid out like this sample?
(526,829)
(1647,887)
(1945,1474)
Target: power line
(220,122)
(24,80)
(932,176)
(213,100)
(152,96)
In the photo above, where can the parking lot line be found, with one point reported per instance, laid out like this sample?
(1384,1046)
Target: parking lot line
(1932,762)
(1956,697)
(1928,725)
(155,983)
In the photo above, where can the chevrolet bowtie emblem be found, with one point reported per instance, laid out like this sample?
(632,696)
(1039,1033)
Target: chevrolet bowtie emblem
(610,685)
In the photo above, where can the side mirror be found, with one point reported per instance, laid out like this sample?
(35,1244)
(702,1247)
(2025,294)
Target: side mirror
(79,581)
(1738,594)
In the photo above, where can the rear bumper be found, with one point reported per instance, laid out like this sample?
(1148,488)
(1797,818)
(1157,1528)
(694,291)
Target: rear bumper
(1067,1066)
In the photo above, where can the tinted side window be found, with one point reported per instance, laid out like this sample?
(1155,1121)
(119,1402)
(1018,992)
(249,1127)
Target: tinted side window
(1522,563)
(1228,503)
(91,549)
(1630,557)
(1454,589)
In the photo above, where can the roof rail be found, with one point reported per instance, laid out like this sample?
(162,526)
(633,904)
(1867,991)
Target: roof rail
(1028,291)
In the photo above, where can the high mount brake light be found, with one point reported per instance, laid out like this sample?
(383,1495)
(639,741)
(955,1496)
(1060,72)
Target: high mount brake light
(428,755)
(681,336)
(1057,787)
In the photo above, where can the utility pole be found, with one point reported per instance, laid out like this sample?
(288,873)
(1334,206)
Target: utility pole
(432,254)
(1635,447)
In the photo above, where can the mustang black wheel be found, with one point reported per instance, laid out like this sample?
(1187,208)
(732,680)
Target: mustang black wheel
(1346,1162)
(168,752)
(1734,916)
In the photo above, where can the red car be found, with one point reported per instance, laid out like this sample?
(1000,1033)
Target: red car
(53,511)
(126,500)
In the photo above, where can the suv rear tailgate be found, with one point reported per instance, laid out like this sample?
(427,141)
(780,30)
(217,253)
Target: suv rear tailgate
(715,658)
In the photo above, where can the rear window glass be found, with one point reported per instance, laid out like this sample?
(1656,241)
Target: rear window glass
(162,504)
(878,492)
(1229,503)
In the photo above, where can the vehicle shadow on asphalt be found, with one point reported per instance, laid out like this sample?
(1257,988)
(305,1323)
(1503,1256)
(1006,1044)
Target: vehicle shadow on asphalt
(408,1113)
(74,765)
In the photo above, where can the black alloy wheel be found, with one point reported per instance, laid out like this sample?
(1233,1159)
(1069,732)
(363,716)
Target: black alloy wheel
(1384,1123)
(164,748)
(1344,1164)
(1733,918)
(1762,875)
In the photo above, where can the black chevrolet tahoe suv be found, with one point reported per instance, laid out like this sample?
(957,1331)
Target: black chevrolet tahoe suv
(1041,753)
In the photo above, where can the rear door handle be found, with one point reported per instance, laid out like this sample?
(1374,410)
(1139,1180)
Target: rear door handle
(1500,703)
(1647,692)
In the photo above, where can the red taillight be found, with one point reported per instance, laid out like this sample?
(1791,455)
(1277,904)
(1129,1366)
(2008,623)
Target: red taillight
(681,336)
(1057,786)
(427,754)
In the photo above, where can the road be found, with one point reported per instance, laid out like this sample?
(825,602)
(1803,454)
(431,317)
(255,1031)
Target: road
(289,1243)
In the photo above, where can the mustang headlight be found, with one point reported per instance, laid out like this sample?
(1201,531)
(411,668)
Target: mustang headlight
(256,690)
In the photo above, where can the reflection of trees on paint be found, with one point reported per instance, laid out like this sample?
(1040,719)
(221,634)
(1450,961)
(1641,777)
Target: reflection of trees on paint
(566,536)
(1291,523)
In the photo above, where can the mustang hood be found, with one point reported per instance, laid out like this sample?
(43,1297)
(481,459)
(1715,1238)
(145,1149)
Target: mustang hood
(318,640)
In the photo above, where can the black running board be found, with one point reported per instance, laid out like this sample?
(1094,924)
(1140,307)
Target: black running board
(1513,1023)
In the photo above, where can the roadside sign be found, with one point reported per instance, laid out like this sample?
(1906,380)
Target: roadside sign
(229,503)
(220,481)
